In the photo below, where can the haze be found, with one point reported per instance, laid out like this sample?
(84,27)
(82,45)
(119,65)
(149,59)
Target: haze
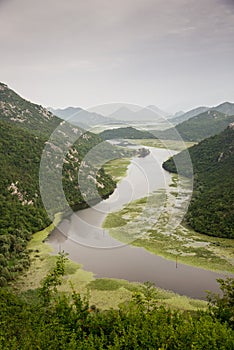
(174,54)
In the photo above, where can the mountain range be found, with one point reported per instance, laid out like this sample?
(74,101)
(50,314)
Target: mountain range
(27,130)
(147,114)
(80,117)
(225,108)
(197,128)
(84,118)
(134,114)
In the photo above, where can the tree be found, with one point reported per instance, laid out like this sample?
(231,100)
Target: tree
(222,307)
(54,278)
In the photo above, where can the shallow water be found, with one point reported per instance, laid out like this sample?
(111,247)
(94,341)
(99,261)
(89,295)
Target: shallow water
(90,245)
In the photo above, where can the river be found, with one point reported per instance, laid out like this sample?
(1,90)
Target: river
(84,239)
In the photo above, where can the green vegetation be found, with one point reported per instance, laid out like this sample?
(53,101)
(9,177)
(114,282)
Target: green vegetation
(169,144)
(138,224)
(51,306)
(222,306)
(197,128)
(27,115)
(211,207)
(125,133)
(105,293)
(23,140)
(22,210)
(48,319)
(117,168)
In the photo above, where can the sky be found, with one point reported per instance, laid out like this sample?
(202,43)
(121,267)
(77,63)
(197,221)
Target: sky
(175,54)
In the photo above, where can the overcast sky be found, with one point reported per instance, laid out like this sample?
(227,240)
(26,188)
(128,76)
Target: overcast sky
(176,54)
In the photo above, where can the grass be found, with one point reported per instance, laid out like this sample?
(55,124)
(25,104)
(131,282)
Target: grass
(43,260)
(145,229)
(110,293)
(169,144)
(124,290)
(105,293)
(117,168)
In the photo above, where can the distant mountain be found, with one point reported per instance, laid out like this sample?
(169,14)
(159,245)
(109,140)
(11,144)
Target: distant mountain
(64,113)
(142,115)
(125,133)
(80,117)
(211,209)
(226,108)
(122,114)
(27,115)
(185,116)
(177,114)
(158,111)
(197,128)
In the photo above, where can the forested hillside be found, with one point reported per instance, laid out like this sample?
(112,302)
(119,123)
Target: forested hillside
(18,111)
(22,211)
(24,131)
(211,210)
(126,133)
(198,128)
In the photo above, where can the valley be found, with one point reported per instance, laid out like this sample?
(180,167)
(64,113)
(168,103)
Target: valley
(130,230)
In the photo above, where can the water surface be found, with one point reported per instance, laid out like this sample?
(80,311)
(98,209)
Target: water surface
(88,244)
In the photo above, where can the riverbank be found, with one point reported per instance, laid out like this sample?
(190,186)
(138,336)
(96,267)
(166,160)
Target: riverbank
(169,144)
(81,279)
(117,168)
(105,293)
(130,225)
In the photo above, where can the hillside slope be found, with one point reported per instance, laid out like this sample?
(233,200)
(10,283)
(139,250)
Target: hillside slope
(187,115)
(16,110)
(225,108)
(125,133)
(199,127)
(21,207)
(211,210)
(80,117)
(24,132)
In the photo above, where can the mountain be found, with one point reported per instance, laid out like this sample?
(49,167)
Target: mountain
(80,117)
(185,116)
(197,128)
(158,111)
(64,113)
(226,108)
(125,133)
(30,116)
(122,114)
(141,115)
(177,114)
(24,131)
(211,209)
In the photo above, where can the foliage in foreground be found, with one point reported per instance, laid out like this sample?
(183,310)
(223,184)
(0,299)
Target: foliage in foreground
(45,319)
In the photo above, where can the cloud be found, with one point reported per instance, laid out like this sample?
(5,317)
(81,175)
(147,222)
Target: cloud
(120,43)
